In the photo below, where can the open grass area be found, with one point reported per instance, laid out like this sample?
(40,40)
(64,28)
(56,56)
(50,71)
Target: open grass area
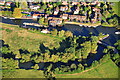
(116,8)
(21,73)
(19,38)
(106,70)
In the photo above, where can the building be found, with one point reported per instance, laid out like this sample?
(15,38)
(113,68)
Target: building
(53,21)
(75,3)
(2,2)
(35,7)
(63,8)
(77,17)
(64,16)
(9,3)
(36,16)
(64,3)
(56,11)
(77,10)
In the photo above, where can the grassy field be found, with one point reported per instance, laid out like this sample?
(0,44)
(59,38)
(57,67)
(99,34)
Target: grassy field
(116,8)
(106,70)
(19,38)
(21,73)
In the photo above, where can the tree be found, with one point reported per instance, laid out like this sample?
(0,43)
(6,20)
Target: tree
(54,32)
(25,58)
(5,50)
(44,6)
(49,68)
(105,50)
(94,63)
(17,13)
(23,4)
(41,20)
(9,63)
(73,66)
(117,44)
(18,56)
(36,66)
(68,34)
(80,67)
(61,33)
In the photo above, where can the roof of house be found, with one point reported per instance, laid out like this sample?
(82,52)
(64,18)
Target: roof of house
(9,2)
(36,14)
(64,2)
(2,1)
(75,3)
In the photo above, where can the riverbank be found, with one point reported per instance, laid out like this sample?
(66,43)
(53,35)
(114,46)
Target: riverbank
(108,25)
(16,18)
(84,24)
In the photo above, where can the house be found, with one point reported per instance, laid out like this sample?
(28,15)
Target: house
(64,3)
(84,3)
(2,2)
(77,10)
(9,3)
(64,16)
(63,8)
(54,21)
(75,3)
(50,5)
(83,18)
(95,2)
(35,7)
(94,20)
(56,11)
(77,17)
(36,15)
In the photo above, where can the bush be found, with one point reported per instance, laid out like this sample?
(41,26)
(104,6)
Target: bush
(8,30)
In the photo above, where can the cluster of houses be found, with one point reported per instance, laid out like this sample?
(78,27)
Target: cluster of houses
(3,2)
(74,16)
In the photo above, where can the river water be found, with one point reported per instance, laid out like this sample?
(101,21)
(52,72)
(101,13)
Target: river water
(76,29)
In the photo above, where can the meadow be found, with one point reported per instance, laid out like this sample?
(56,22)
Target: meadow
(105,70)
(19,38)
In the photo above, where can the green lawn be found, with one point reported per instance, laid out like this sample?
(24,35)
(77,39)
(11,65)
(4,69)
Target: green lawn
(19,38)
(21,73)
(116,8)
(106,70)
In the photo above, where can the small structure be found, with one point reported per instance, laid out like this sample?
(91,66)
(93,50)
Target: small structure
(35,7)
(63,8)
(45,31)
(75,3)
(53,21)
(64,16)
(77,10)
(9,3)
(64,3)
(2,2)
(77,17)
(35,16)
(56,11)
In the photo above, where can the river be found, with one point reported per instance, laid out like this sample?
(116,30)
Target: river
(75,29)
